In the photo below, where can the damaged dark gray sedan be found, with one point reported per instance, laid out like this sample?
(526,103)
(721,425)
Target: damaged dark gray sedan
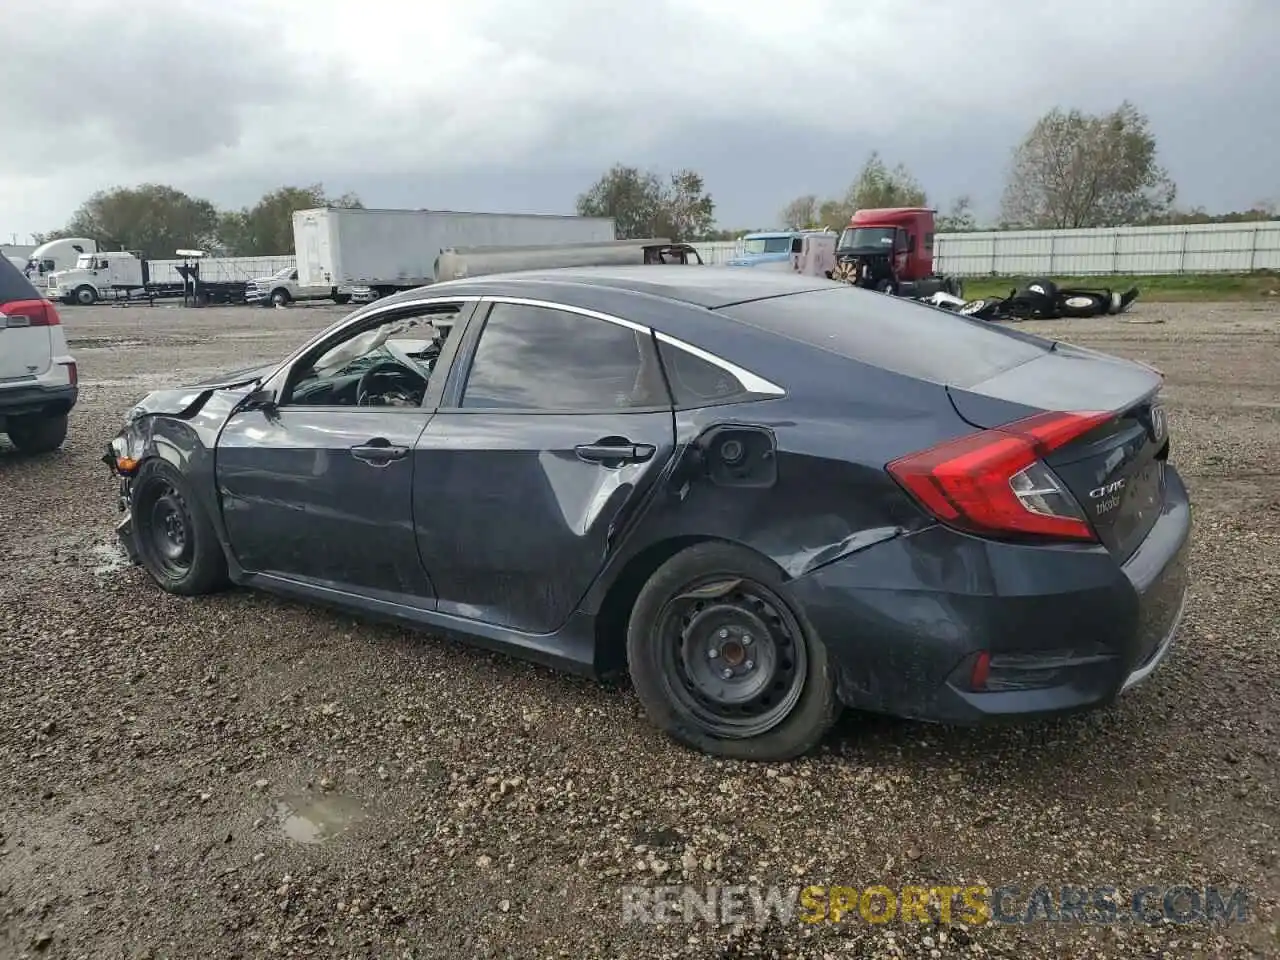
(767,497)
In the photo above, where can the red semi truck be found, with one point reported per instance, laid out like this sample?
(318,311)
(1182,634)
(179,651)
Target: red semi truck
(891,250)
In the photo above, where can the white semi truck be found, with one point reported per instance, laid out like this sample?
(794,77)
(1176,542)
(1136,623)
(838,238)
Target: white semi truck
(49,258)
(121,275)
(390,250)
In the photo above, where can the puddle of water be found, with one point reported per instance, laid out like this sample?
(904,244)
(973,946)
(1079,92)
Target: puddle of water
(315,819)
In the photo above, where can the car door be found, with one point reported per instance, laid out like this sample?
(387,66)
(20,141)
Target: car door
(553,426)
(321,492)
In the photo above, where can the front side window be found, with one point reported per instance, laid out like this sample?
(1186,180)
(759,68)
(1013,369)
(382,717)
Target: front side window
(386,365)
(541,358)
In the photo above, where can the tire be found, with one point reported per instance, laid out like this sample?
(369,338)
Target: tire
(280,298)
(342,299)
(38,434)
(1083,303)
(780,712)
(886,286)
(86,296)
(189,564)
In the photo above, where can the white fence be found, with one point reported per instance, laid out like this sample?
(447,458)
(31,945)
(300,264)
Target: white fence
(717,252)
(1188,248)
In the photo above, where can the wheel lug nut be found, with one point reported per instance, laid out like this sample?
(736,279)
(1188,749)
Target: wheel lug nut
(749,664)
(746,639)
(724,634)
(726,673)
(712,653)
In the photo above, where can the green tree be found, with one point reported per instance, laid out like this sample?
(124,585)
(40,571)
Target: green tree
(153,219)
(266,228)
(877,185)
(1079,170)
(642,205)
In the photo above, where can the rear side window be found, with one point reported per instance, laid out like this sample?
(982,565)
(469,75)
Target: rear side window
(696,382)
(898,335)
(13,285)
(540,358)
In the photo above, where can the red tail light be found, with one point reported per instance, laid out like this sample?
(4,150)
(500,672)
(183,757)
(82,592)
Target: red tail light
(73,372)
(30,313)
(994,482)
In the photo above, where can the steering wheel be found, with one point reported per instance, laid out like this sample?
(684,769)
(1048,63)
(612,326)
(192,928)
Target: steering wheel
(378,369)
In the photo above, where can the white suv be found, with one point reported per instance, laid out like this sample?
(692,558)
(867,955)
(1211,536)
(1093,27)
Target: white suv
(38,377)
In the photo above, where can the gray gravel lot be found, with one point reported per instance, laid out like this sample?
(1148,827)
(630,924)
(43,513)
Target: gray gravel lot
(151,747)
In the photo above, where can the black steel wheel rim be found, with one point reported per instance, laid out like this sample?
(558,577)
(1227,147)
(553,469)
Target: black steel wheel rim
(732,656)
(169,534)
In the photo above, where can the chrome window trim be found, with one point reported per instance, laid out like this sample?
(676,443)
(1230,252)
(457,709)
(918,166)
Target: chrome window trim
(751,382)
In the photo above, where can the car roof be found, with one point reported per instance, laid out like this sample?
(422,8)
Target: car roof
(700,286)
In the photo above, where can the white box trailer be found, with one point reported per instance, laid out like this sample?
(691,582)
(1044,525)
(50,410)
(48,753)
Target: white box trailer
(389,250)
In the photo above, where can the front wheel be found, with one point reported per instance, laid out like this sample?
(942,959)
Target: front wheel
(722,663)
(280,298)
(174,538)
(86,296)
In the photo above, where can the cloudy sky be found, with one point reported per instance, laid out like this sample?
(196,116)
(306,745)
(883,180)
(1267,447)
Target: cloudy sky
(519,105)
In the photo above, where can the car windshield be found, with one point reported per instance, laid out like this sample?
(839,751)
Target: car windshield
(757,245)
(863,238)
(282,274)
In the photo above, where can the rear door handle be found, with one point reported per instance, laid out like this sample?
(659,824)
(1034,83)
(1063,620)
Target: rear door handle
(615,450)
(379,452)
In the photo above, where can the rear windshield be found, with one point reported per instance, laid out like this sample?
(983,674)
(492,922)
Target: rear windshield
(898,335)
(13,285)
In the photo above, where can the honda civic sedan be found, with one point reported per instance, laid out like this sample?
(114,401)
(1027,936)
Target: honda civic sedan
(765,497)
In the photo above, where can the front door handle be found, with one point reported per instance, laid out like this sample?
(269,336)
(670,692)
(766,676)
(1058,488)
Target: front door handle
(379,452)
(615,450)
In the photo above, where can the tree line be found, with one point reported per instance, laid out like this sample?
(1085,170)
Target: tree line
(156,220)
(1071,169)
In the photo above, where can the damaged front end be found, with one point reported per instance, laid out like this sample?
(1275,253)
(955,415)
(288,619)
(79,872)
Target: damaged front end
(119,458)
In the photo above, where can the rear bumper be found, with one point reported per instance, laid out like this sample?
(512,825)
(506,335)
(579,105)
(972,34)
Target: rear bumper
(37,398)
(1065,627)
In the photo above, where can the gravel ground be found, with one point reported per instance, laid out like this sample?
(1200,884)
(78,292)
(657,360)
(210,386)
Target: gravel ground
(153,748)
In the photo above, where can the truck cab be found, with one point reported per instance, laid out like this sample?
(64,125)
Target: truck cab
(48,258)
(282,288)
(771,247)
(97,276)
(890,249)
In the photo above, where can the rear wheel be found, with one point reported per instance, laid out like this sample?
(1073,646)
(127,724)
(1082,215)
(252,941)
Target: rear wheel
(722,663)
(175,540)
(38,434)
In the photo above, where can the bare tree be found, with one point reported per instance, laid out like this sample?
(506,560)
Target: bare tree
(801,213)
(959,217)
(1078,170)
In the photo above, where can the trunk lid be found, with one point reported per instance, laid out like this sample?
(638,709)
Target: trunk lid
(1116,471)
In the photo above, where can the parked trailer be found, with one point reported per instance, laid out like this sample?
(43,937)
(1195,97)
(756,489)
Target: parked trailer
(478,261)
(124,275)
(390,250)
